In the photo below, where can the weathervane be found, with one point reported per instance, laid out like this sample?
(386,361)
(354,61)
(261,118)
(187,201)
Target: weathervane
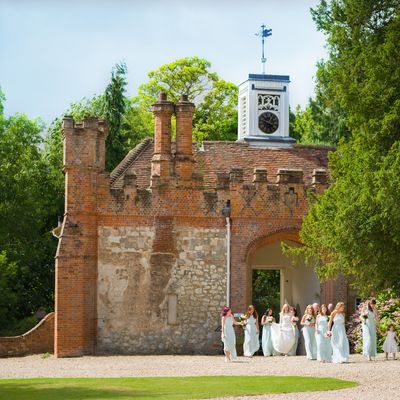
(264,32)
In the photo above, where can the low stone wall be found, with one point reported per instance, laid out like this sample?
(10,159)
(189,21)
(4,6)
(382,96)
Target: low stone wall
(40,339)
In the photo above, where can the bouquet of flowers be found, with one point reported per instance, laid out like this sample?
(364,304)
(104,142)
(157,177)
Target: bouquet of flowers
(269,320)
(294,320)
(364,317)
(308,320)
(242,320)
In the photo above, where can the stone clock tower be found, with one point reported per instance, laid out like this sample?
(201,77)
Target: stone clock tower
(264,111)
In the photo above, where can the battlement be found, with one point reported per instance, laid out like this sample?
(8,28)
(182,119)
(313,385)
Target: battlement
(84,142)
(260,176)
(86,123)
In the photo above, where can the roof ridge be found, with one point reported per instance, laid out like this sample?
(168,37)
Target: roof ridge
(129,158)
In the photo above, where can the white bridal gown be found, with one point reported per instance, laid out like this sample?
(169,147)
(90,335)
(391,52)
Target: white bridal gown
(283,334)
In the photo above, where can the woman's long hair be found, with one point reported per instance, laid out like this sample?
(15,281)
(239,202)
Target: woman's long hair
(266,314)
(339,305)
(312,310)
(250,313)
(326,310)
(285,306)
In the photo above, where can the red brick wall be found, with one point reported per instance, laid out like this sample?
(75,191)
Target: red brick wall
(39,339)
(76,258)
(268,189)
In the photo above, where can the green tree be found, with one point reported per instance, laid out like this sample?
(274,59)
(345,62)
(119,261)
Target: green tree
(112,106)
(115,108)
(189,76)
(215,115)
(8,283)
(266,291)
(28,212)
(352,229)
(323,121)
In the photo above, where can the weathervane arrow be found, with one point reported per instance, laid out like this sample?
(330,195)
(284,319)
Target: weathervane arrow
(264,33)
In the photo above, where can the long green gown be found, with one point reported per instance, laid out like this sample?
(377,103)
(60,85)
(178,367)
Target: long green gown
(369,335)
(324,347)
(309,340)
(339,341)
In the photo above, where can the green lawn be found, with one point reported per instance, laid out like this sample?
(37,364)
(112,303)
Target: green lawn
(161,388)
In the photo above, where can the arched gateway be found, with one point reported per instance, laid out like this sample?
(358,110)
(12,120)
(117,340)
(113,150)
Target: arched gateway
(298,283)
(146,259)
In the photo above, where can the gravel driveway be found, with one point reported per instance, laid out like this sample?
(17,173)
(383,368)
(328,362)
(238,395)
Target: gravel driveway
(379,380)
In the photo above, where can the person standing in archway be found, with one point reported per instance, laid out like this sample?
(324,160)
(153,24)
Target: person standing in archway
(266,341)
(251,332)
(295,321)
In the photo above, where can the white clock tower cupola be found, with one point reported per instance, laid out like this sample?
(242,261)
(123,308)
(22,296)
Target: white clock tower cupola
(264,111)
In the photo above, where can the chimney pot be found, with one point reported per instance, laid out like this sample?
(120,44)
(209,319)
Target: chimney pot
(163,96)
(184,97)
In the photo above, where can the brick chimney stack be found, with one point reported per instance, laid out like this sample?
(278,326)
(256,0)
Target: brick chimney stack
(184,110)
(161,161)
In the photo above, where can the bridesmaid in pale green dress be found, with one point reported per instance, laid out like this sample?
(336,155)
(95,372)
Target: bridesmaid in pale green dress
(266,340)
(294,321)
(339,341)
(368,318)
(308,322)
(324,348)
(228,334)
(251,332)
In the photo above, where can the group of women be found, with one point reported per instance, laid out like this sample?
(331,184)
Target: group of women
(324,333)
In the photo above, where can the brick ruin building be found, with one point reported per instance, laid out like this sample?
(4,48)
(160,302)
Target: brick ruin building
(149,254)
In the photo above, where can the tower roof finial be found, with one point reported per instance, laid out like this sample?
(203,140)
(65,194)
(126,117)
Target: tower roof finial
(263,33)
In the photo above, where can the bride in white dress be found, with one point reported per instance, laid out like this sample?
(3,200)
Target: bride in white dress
(283,334)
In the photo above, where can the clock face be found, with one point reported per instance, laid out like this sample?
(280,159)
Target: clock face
(268,122)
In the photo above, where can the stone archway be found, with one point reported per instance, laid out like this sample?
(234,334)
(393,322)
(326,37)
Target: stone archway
(299,284)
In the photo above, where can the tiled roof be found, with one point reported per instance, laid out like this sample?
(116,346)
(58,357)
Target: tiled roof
(117,174)
(216,157)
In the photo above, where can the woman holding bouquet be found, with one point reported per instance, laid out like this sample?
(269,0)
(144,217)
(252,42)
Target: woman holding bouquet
(294,321)
(228,334)
(251,332)
(308,322)
(339,341)
(266,341)
(324,348)
(368,331)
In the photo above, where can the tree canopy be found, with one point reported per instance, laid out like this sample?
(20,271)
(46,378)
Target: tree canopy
(353,229)
(215,115)
(29,206)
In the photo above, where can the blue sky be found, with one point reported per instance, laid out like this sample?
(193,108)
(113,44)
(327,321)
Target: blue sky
(54,52)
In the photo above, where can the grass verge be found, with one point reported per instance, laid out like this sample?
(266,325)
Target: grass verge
(197,387)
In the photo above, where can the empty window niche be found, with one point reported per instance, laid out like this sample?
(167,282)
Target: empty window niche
(172,308)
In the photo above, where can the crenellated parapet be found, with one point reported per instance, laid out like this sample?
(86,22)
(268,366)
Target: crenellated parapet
(84,143)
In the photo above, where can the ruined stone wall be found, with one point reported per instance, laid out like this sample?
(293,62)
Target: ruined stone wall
(152,299)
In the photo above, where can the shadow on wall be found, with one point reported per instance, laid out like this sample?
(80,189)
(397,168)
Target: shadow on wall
(40,339)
